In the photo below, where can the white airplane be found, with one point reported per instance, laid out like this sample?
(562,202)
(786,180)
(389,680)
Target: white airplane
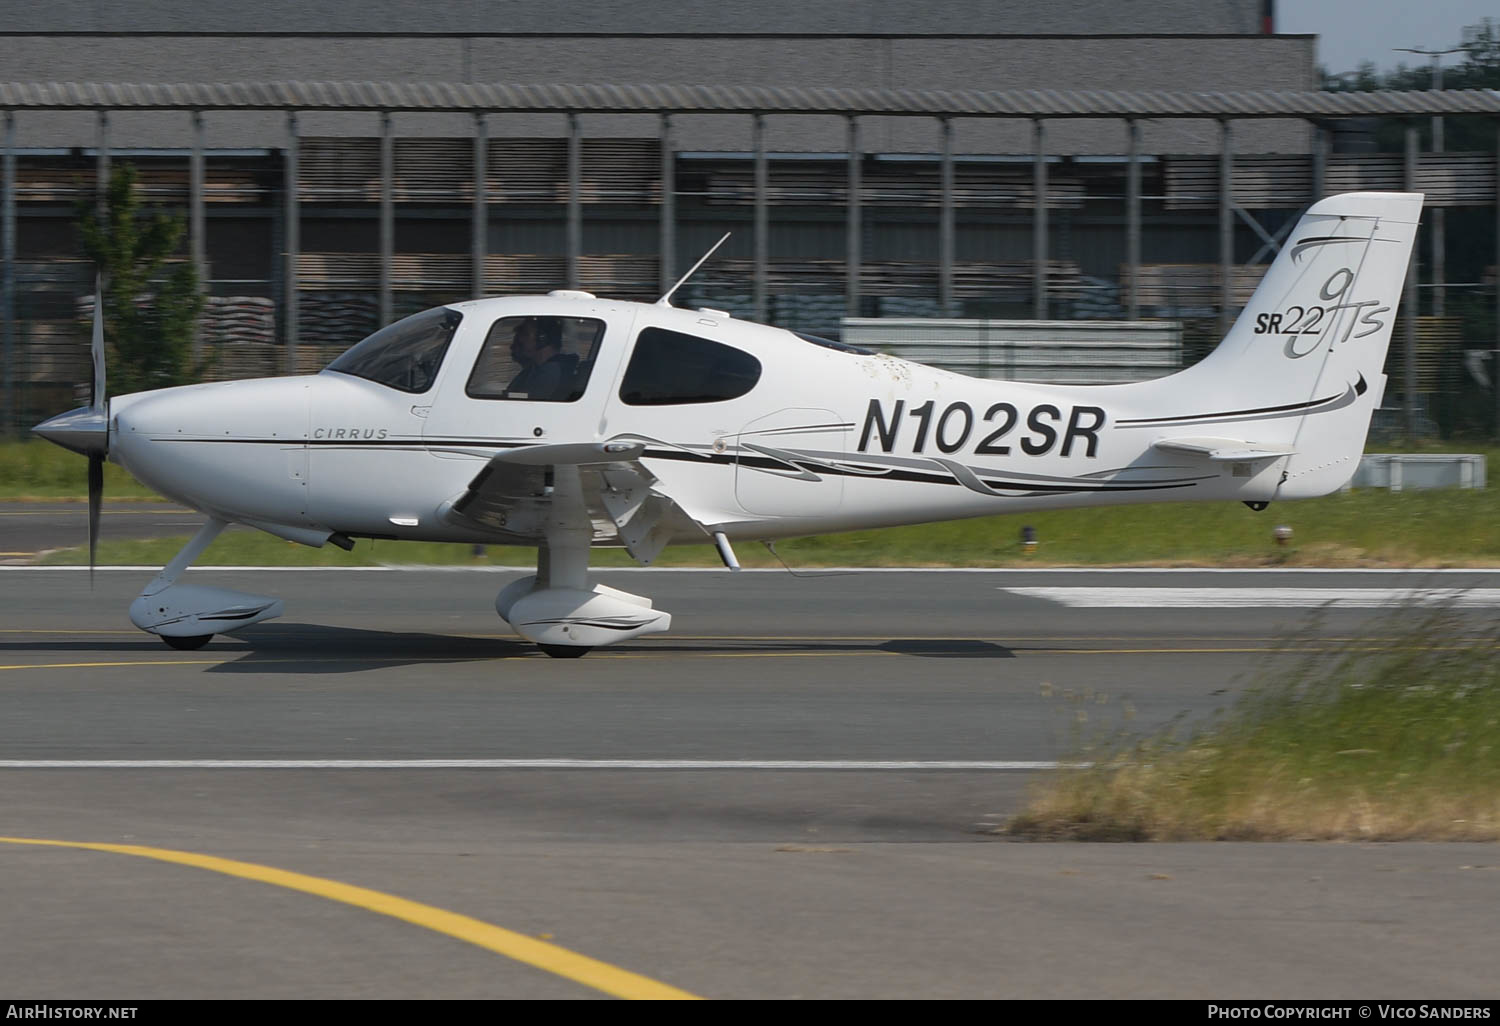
(567,421)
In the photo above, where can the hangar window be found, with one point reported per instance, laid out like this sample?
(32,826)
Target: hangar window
(405,355)
(669,368)
(536,359)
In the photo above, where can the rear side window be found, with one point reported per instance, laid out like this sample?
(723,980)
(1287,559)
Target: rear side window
(669,368)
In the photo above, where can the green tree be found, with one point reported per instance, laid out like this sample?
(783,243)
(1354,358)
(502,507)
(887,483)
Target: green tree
(151,305)
(1478,69)
(1470,241)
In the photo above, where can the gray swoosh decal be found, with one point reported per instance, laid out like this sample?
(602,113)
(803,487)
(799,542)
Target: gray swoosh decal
(1324,405)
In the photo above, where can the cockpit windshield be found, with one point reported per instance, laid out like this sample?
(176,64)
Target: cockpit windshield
(405,355)
(828,343)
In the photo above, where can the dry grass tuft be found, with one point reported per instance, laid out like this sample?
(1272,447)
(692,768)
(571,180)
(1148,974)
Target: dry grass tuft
(1394,735)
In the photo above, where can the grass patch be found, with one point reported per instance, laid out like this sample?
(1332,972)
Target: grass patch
(43,471)
(1394,735)
(1370,527)
(1366,528)
(241,546)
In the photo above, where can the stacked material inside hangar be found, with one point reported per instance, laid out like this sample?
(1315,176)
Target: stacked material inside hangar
(321,217)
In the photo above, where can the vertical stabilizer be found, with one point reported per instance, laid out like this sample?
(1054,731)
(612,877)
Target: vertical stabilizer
(1302,367)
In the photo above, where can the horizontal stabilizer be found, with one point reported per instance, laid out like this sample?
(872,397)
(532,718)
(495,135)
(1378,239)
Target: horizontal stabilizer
(1222,449)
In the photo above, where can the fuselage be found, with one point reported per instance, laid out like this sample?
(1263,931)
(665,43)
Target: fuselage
(757,430)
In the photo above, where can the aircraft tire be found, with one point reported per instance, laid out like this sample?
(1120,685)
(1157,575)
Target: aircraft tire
(191,644)
(566,651)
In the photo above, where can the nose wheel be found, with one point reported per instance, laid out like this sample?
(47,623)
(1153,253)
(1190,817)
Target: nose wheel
(191,644)
(566,651)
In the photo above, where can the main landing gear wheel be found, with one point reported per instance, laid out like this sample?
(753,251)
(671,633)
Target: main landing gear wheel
(566,651)
(191,644)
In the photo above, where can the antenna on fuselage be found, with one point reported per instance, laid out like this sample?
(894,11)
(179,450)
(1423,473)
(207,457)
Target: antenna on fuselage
(663,301)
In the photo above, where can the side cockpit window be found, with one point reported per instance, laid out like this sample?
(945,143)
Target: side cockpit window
(670,368)
(536,359)
(405,355)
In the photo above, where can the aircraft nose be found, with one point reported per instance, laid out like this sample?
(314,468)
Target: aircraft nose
(238,447)
(84,430)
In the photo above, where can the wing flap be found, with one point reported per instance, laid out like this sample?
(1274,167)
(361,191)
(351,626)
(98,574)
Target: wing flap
(518,493)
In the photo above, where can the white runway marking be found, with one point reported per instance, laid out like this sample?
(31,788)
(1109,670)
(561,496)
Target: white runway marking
(522,764)
(1261,598)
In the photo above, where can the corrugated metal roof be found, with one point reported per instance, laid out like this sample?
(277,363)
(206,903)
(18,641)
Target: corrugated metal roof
(705,99)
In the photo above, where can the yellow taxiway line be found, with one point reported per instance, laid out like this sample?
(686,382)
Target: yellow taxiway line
(536,953)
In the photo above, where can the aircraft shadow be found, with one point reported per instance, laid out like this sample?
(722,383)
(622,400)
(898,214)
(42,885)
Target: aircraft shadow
(310,648)
(316,648)
(949,648)
(933,648)
(134,646)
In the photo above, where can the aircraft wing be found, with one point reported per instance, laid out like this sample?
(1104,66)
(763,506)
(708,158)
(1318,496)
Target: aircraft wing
(523,492)
(1222,450)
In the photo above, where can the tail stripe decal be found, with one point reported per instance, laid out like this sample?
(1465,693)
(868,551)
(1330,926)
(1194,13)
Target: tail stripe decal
(1324,405)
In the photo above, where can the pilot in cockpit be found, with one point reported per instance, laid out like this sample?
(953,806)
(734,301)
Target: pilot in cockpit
(546,371)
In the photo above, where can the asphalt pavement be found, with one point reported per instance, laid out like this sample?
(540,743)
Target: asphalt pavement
(762,803)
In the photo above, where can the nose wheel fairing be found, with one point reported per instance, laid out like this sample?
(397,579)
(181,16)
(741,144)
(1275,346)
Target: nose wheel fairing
(190,611)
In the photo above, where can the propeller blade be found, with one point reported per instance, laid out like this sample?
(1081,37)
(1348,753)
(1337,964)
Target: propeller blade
(96,498)
(97,348)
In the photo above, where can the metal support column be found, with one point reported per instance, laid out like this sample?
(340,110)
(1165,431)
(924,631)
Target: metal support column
(1409,303)
(1439,231)
(479,227)
(667,261)
(1226,227)
(1039,221)
(8,255)
(762,241)
(293,235)
(1495,376)
(1439,262)
(945,225)
(1133,220)
(387,216)
(197,246)
(575,201)
(854,224)
(1319,163)
(101,163)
